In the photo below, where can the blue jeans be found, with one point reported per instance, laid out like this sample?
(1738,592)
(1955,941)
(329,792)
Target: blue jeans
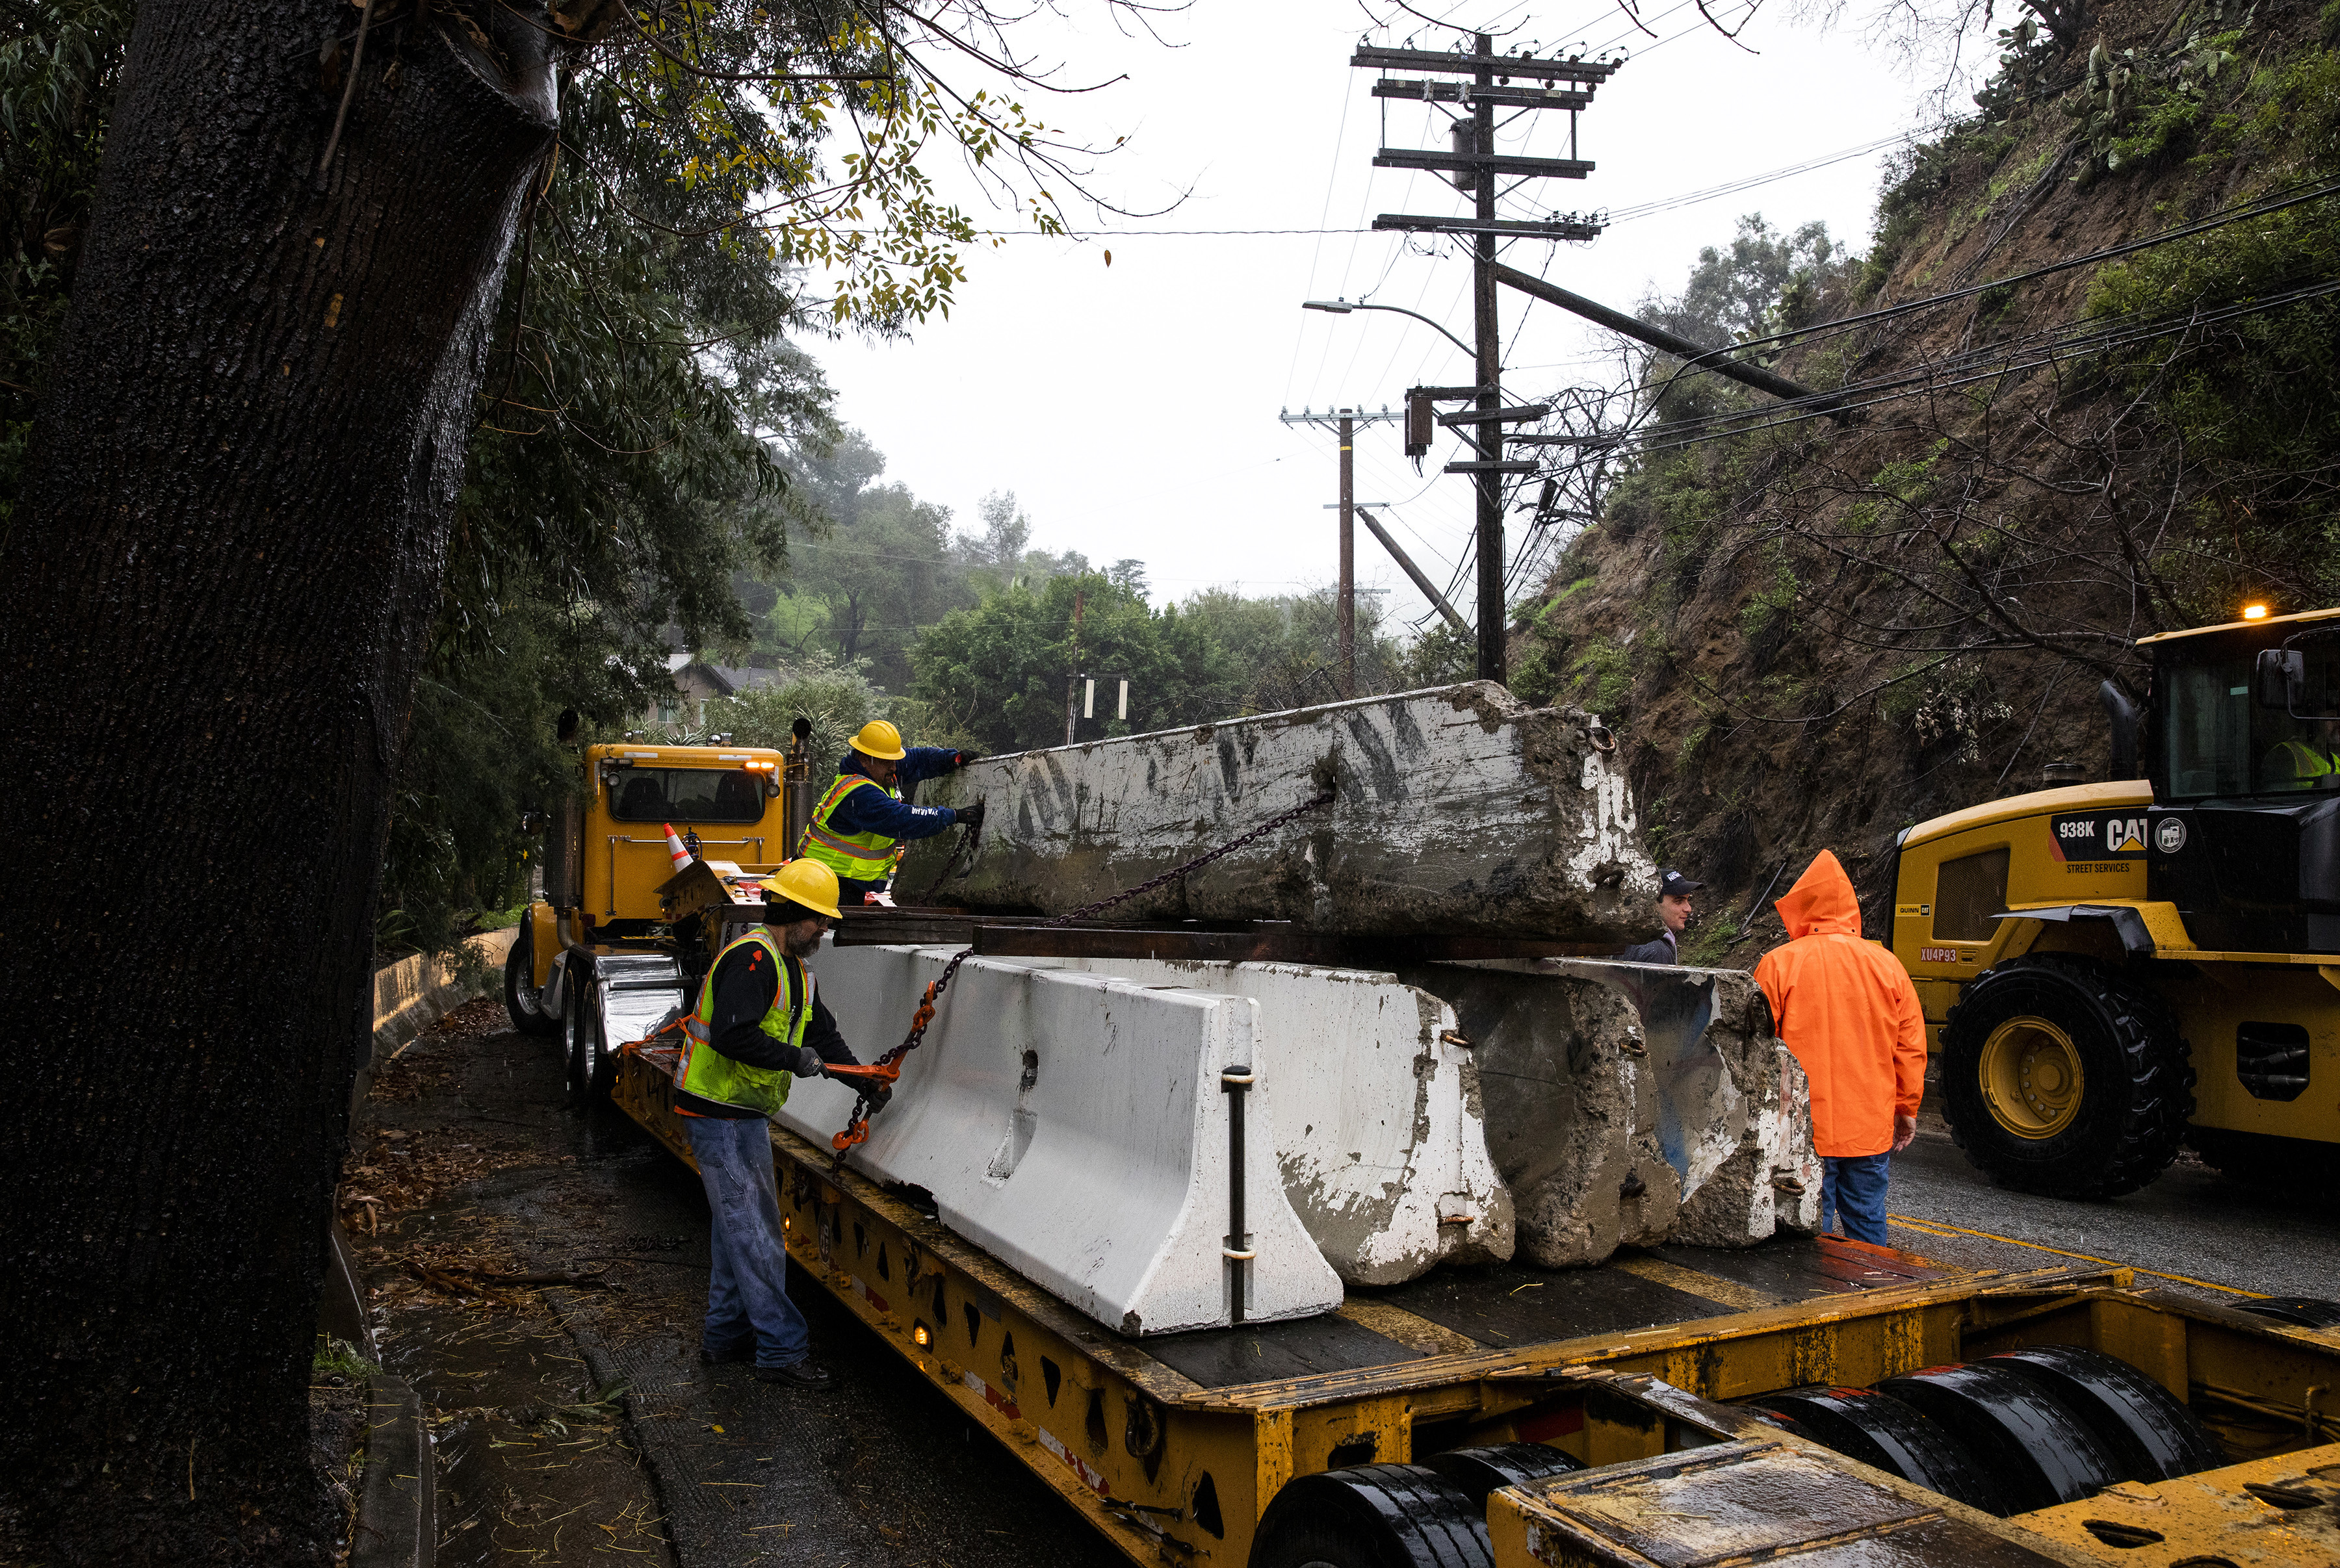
(1852,1189)
(746,1288)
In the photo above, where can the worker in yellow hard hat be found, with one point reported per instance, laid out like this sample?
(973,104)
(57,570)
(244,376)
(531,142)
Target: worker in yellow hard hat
(862,817)
(758,1024)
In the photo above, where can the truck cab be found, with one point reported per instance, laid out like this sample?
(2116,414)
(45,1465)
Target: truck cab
(602,955)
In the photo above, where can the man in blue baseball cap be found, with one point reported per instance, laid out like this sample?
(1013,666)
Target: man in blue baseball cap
(1673,913)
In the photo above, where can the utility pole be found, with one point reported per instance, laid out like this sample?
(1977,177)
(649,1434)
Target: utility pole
(1072,681)
(1473,164)
(1494,614)
(1345,422)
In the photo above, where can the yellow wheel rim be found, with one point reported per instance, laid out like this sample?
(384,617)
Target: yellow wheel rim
(2031,1078)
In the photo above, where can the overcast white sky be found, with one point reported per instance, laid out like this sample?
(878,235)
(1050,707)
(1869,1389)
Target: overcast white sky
(1133,409)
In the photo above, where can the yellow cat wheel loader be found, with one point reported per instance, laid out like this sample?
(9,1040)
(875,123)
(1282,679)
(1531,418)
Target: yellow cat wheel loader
(2112,970)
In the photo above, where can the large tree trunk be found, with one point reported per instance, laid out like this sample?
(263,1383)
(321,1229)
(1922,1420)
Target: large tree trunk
(220,575)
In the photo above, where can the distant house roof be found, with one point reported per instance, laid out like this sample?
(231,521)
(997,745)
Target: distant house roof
(744,678)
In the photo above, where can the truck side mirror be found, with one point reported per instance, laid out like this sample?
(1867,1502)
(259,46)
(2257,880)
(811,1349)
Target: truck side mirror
(2281,678)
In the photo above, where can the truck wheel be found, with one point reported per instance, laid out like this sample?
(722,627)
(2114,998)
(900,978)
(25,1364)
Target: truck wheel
(578,993)
(2062,1079)
(1372,1516)
(2298,1311)
(521,999)
(600,1061)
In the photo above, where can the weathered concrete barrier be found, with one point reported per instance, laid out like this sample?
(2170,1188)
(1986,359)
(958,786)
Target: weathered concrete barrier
(1459,808)
(1380,1129)
(1076,1127)
(1632,1104)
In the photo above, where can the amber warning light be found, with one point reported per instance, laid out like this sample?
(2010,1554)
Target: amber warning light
(2255,612)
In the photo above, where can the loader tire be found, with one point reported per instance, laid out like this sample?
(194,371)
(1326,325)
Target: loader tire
(521,999)
(2064,1079)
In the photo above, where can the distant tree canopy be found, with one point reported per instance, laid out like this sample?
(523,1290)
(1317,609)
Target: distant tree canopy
(998,674)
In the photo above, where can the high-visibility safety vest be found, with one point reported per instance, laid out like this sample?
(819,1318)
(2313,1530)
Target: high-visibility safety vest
(860,856)
(709,1074)
(2306,764)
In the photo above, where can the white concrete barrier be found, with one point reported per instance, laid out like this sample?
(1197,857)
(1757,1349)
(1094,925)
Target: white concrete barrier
(1075,1127)
(1379,1131)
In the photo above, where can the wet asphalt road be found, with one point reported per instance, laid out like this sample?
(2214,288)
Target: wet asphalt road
(2192,1223)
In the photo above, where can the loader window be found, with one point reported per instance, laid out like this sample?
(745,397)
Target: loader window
(687,795)
(1966,893)
(2219,740)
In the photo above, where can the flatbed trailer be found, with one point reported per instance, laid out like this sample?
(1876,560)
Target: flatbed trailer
(1177,1447)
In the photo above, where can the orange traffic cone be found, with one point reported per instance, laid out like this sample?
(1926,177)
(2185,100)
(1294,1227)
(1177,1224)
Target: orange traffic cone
(678,855)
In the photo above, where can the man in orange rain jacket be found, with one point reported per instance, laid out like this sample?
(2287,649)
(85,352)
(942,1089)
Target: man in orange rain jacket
(1848,1011)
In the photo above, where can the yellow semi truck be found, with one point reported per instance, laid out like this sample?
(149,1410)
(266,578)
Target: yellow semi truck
(603,953)
(2111,970)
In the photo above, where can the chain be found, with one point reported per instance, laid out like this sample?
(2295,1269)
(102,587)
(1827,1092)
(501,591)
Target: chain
(888,1067)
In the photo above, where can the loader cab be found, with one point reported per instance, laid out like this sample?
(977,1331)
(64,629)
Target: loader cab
(2242,749)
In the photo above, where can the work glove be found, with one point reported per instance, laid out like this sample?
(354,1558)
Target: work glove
(968,815)
(966,757)
(876,1094)
(809,1063)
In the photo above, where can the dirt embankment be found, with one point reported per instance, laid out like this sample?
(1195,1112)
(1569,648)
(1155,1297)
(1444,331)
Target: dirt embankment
(1812,633)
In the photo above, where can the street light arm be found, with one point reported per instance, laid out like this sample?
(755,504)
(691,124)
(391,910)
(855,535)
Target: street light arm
(1342,307)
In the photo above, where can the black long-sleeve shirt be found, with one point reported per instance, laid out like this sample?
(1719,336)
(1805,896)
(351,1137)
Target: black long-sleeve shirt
(746,983)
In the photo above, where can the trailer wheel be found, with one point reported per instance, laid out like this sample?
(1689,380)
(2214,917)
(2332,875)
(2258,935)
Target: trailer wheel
(2062,1079)
(1878,1429)
(2297,1311)
(2147,1428)
(1476,1471)
(522,1000)
(1372,1516)
(2040,1452)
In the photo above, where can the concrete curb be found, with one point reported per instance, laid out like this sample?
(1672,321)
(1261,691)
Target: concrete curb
(398,1516)
(413,993)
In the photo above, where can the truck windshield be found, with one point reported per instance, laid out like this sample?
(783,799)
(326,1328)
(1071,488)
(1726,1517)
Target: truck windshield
(687,795)
(2217,740)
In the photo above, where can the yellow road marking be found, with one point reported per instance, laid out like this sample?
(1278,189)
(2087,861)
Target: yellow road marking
(1409,1329)
(1746,1298)
(1938,1227)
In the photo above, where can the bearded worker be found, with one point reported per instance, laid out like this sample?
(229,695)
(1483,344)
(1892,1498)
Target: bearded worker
(759,1024)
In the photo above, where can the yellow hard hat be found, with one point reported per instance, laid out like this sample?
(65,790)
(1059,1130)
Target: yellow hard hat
(880,739)
(807,883)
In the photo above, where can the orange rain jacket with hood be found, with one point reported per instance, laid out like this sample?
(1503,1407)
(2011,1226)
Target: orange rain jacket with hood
(1844,1006)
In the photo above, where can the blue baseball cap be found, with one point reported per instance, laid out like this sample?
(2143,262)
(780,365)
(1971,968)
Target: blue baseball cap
(1673,884)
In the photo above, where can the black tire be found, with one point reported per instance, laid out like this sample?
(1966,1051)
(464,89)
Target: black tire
(576,1005)
(1372,1516)
(521,1000)
(2117,1129)
(600,1061)
(1881,1432)
(2294,1167)
(1475,1471)
(2298,1311)
(2150,1433)
(2039,1453)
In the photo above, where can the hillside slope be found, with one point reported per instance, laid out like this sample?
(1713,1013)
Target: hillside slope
(1812,632)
